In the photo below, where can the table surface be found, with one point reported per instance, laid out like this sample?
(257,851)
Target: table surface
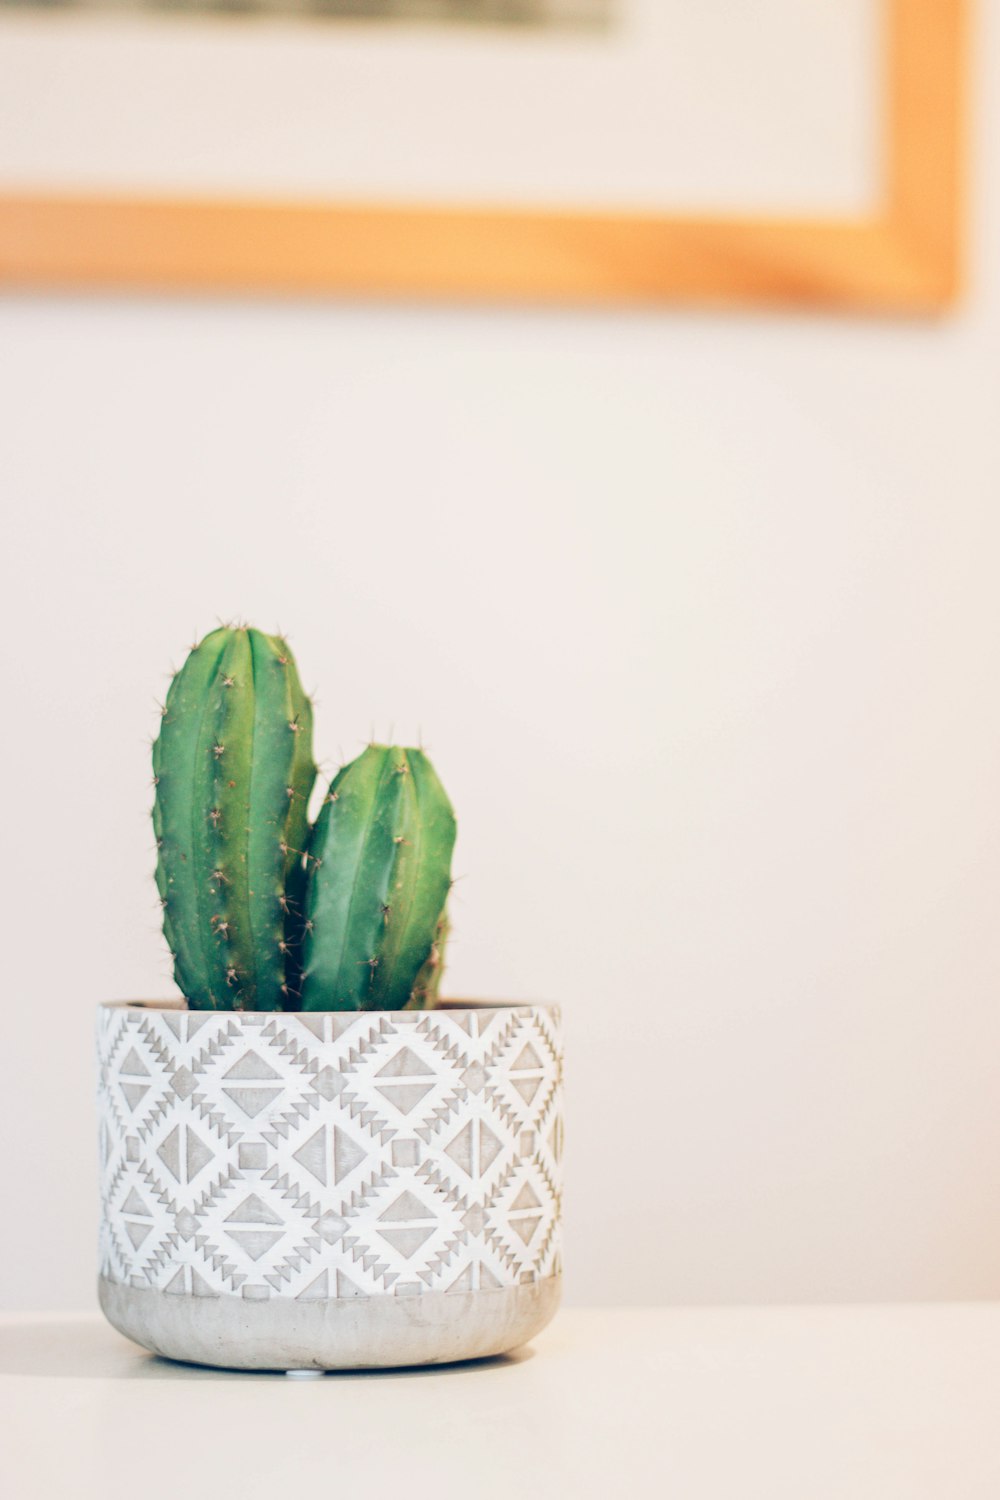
(691,1404)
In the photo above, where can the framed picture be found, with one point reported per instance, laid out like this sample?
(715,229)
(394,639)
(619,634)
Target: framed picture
(569,151)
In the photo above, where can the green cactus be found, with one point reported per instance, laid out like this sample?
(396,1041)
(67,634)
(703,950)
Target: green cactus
(378,877)
(427,985)
(233,769)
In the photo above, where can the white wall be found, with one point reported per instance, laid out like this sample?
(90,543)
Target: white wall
(699,617)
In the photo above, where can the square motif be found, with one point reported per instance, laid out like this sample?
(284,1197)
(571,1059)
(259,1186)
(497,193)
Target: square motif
(252,1154)
(183,1083)
(405,1153)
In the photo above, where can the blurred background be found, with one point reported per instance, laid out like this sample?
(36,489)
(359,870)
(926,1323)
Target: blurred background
(696,611)
(502,12)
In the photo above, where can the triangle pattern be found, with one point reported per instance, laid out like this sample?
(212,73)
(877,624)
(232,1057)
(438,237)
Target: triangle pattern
(318,1290)
(137,1232)
(526,1227)
(406,1207)
(170,1153)
(198,1154)
(252,1065)
(490,1146)
(133,1092)
(347,1154)
(253,1210)
(405,1064)
(255,1241)
(312,1155)
(527,1087)
(526,1198)
(460,1149)
(252,1101)
(405,1096)
(406,1242)
(346,1287)
(276,1121)
(462,1282)
(316,1024)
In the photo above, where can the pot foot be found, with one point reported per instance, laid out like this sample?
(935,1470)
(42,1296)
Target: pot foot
(306,1339)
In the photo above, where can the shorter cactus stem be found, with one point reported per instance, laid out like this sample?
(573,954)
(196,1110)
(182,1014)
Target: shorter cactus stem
(378,877)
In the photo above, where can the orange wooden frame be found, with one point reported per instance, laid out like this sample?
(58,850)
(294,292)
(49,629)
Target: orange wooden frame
(903,259)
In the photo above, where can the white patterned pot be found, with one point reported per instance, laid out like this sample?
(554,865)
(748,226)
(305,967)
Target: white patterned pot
(329,1191)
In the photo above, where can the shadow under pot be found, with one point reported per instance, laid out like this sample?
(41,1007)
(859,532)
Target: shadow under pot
(323,1191)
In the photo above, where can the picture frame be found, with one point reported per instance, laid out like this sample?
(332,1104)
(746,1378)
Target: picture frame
(905,257)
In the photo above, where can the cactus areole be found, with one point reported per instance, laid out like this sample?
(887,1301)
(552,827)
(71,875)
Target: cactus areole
(261,912)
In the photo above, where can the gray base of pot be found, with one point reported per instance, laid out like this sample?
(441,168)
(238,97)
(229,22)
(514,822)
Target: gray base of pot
(343,1333)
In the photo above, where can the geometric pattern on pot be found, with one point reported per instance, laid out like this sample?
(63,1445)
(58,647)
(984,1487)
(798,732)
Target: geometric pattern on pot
(329,1155)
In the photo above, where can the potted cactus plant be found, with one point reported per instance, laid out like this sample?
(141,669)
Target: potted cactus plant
(312,1162)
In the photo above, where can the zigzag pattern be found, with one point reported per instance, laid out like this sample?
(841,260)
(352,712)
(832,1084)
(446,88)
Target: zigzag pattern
(317,1156)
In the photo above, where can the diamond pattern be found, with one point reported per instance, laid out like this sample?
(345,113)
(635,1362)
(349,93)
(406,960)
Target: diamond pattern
(332,1155)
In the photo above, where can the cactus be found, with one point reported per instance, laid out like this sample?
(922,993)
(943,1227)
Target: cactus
(378,877)
(357,922)
(233,770)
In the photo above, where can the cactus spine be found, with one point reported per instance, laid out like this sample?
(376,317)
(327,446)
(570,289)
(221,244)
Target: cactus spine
(379,870)
(233,769)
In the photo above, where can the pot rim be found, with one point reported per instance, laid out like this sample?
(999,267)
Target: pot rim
(451,1006)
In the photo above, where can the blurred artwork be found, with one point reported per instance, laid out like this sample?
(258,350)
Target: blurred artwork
(587,13)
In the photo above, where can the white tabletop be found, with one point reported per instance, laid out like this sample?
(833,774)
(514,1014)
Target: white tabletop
(857,1403)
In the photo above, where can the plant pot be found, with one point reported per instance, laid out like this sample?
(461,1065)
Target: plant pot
(330,1190)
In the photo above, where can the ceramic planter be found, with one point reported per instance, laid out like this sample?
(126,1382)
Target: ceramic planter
(329,1191)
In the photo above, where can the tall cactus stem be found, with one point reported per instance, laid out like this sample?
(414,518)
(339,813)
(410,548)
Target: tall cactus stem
(233,770)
